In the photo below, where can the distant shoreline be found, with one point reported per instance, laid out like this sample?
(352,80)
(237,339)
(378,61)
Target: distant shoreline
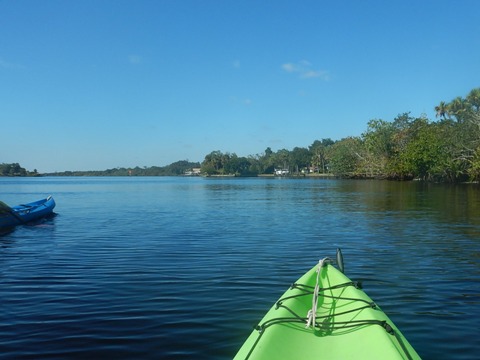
(298,175)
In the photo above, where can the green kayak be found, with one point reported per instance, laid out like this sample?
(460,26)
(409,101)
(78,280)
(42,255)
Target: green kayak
(341,322)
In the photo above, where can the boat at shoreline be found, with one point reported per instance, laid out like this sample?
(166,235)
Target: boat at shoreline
(281,172)
(25,213)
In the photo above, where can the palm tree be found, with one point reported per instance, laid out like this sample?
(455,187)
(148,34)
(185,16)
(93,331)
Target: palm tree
(458,108)
(473,99)
(442,109)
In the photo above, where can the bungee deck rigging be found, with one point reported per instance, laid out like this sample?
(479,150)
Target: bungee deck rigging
(326,326)
(323,313)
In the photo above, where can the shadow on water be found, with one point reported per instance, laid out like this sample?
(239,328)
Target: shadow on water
(44,221)
(452,203)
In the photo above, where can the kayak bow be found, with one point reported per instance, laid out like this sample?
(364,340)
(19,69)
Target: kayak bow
(326,315)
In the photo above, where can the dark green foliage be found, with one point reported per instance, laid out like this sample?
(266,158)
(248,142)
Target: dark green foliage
(174,169)
(406,148)
(12,170)
(345,157)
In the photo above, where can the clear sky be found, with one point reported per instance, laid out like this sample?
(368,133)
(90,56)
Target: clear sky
(99,84)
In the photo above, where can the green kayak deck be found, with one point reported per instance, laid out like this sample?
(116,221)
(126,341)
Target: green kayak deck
(348,324)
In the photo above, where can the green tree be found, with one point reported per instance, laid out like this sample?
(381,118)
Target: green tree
(13,169)
(403,134)
(299,158)
(464,135)
(319,151)
(346,157)
(268,152)
(262,163)
(473,106)
(379,145)
(281,159)
(213,163)
(474,170)
(239,166)
(431,154)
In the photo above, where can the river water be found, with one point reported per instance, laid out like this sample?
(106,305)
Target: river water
(182,268)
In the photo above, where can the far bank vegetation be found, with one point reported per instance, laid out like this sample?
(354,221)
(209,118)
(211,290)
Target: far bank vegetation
(405,148)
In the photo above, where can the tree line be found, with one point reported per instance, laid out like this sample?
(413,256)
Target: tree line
(405,148)
(15,169)
(174,169)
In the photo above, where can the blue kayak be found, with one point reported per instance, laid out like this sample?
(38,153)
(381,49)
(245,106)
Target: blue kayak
(25,213)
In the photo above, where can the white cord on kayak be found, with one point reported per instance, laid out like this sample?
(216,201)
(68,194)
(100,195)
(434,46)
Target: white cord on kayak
(312,313)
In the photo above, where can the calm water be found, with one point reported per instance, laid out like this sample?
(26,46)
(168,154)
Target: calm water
(182,268)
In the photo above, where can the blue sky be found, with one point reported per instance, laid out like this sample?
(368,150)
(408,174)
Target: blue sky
(92,85)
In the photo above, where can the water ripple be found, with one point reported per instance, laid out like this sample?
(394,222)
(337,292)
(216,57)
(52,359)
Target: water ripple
(183,268)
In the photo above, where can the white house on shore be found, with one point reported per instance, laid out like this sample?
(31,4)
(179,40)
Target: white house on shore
(281,172)
(193,172)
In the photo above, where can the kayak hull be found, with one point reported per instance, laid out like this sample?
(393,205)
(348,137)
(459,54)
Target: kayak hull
(22,214)
(348,324)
